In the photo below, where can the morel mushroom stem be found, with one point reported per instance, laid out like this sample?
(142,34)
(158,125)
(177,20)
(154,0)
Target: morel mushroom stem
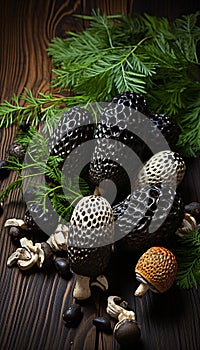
(141,290)
(82,288)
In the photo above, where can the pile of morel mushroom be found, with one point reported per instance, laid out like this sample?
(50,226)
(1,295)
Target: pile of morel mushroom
(144,217)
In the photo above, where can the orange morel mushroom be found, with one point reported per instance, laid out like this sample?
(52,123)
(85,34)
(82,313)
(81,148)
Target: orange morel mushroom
(156,269)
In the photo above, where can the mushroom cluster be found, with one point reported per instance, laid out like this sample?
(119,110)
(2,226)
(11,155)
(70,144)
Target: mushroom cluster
(150,214)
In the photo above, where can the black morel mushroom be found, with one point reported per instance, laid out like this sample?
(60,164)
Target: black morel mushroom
(133,100)
(166,125)
(122,126)
(89,241)
(149,216)
(119,127)
(76,126)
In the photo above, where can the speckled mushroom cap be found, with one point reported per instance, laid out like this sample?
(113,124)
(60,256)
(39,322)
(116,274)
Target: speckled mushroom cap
(165,166)
(157,266)
(151,215)
(90,234)
(75,126)
(92,213)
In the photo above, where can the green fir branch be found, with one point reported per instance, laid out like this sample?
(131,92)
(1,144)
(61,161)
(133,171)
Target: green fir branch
(17,184)
(44,108)
(116,53)
(188,256)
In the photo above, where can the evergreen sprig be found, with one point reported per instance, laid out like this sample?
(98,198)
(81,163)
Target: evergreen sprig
(118,53)
(145,54)
(17,184)
(42,174)
(99,70)
(188,256)
(44,108)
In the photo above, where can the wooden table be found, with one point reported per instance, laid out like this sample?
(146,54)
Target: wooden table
(32,303)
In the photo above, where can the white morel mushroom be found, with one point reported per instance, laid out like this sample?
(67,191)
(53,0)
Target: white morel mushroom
(89,239)
(162,167)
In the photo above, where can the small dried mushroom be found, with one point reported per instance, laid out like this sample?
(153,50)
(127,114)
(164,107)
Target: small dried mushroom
(126,331)
(193,209)
(17,150)
(40,253)
(30,254)
(156,269)
(188,224)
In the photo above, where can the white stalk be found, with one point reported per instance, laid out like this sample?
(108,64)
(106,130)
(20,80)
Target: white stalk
(82,288)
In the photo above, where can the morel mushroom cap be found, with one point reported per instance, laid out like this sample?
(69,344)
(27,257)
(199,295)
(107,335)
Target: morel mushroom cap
(151,215)
(156,269)
(75,126)
(163,167)
(90,236)
(89,247)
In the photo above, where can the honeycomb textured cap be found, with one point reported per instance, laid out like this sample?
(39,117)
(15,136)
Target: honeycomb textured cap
(89,236)
(158,266)
(164,166)
(91,223)
(91,212)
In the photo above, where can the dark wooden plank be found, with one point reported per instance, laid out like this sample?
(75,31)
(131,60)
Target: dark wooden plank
(31,304)
(167,321)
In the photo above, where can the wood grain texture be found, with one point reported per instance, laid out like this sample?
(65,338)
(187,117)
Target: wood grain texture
(31,304)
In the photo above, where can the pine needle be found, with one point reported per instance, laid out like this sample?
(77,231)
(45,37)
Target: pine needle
(188,256)
(145,54)
(17,184)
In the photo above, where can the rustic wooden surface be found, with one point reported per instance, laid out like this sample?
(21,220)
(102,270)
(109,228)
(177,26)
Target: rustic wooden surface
(32,303)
